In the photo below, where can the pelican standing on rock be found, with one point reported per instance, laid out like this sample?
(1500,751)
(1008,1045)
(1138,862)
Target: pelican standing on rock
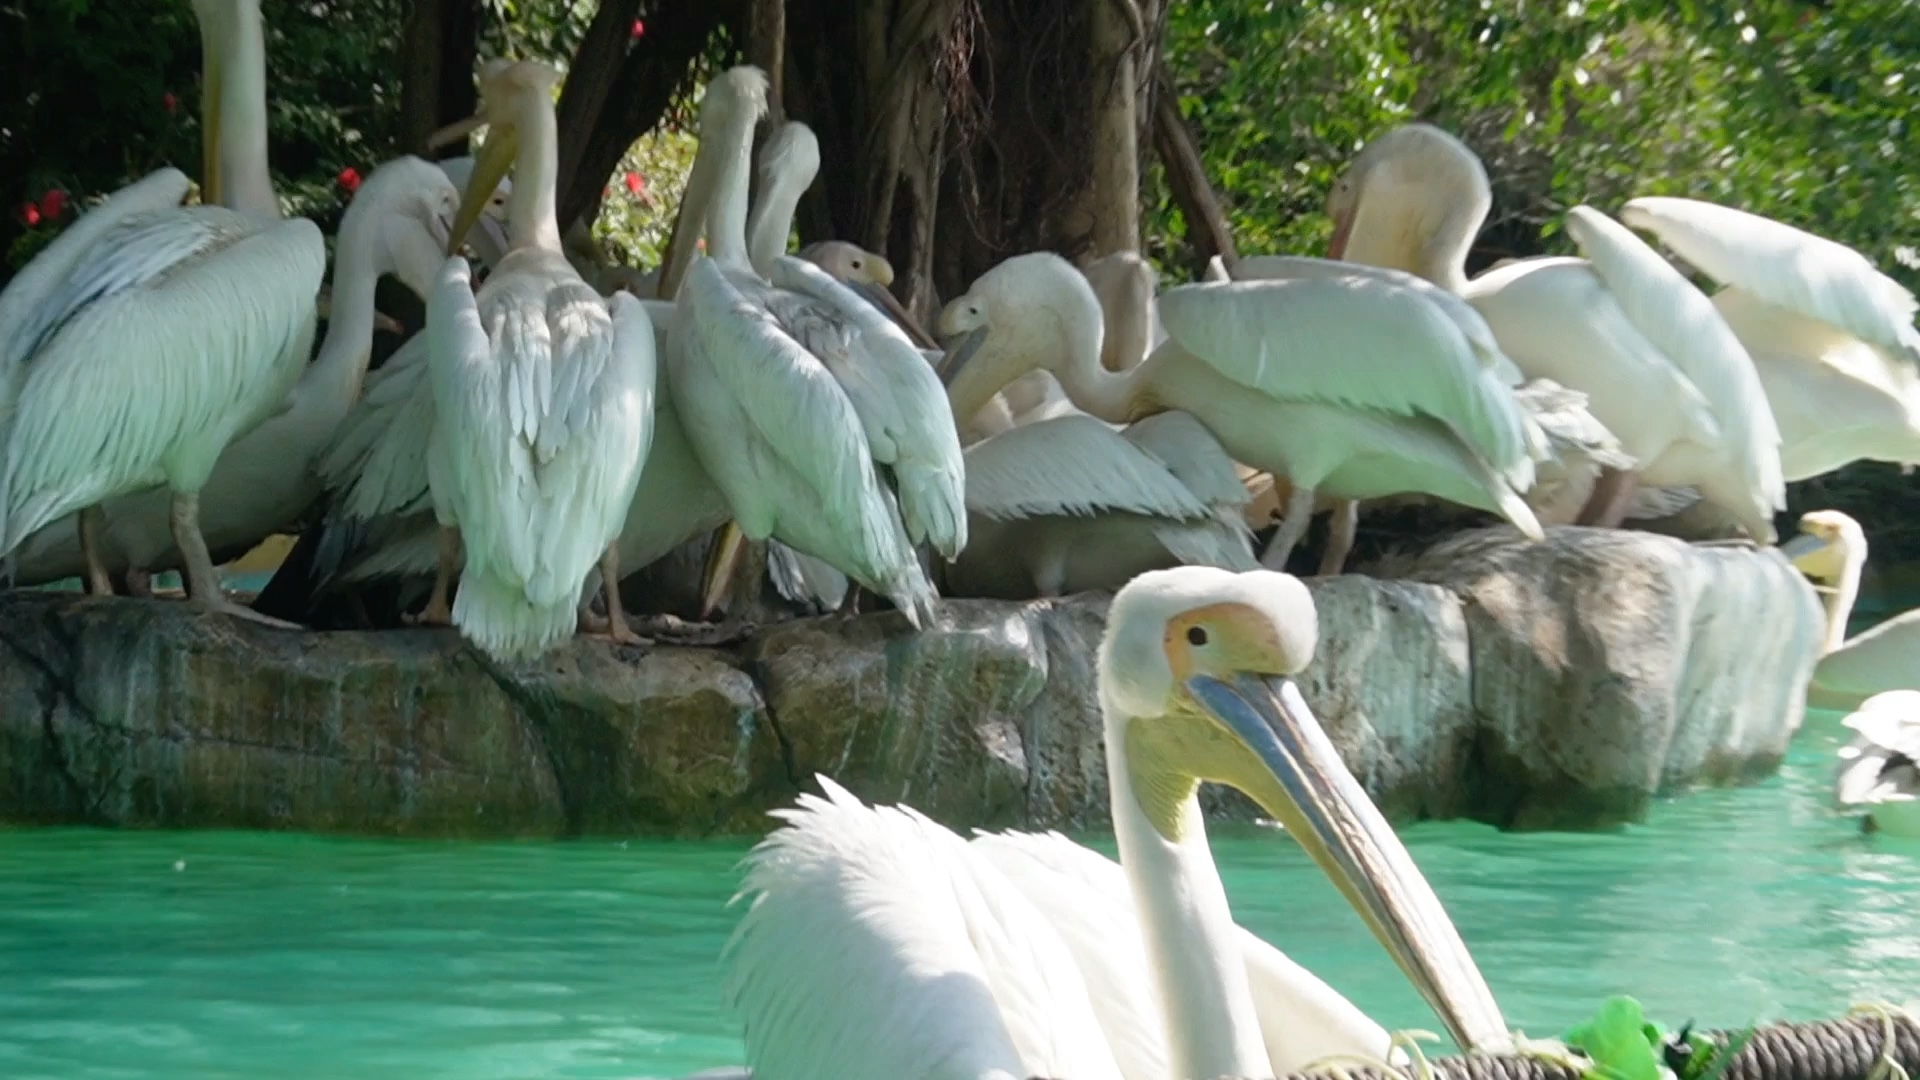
(794,391)
(543,400)
(149,335)
(1660,368)
(1351,384)
(397,223)
(1832,550)
(1019,955)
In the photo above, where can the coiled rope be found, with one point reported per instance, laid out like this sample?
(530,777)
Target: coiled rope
(1870,1043)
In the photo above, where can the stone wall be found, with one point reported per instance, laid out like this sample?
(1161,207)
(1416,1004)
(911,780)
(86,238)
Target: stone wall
(1554,685)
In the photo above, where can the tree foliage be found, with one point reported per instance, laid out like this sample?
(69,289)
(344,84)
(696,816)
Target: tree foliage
(1795,111)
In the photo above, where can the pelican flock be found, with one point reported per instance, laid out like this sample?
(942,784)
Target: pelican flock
(562,423)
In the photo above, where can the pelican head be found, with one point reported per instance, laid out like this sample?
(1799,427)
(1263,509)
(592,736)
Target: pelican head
(1400,195)
(490,240)
(1196,680)
(508,88)
(403,213)
(1023,313)
(849,263)
(1829,547)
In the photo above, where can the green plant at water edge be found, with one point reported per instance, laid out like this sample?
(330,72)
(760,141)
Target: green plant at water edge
(1624,1045)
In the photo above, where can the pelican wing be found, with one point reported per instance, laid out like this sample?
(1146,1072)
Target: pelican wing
(1681,322)
(171,324)
(798,412)
(1085,897)
(1792,268)
(1479,334)
(937,967)
(1556,317)
(1358,342)
(1192,454)
(546,422)
(901,404)
(1889,720)
(1072,465)
(41,297)
(377,463)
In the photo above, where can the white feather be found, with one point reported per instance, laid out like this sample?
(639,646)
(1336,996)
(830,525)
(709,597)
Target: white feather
(1785,266)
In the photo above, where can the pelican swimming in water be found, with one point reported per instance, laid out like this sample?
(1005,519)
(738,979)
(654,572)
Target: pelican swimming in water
(1410,406)
(149,336)
(1880,769)
(1660,367)
(397,223)
(795,392)
(1832,550)
(543,401)
(1020,955)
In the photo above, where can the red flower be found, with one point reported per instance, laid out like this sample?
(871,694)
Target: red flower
(53,204)
(636,183)
(639,31)
(349,179)
(169,103)
(29,215)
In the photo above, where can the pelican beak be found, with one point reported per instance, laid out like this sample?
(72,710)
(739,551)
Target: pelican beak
(211,79)
(723,562)
(1342,230)
(958,353)
(1323,807)
(1803,548)
(490,243)
(495,158)
(881,297)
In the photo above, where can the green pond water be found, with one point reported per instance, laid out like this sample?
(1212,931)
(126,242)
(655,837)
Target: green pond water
(211,955)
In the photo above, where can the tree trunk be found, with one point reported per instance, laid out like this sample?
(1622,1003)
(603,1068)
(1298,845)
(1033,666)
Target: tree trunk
(590,78)
(438,56)
(956,133)
(651,74)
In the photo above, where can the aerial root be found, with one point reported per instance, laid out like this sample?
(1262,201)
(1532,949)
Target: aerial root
(1886,1067)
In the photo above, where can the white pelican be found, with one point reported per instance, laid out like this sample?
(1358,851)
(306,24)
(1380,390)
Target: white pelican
(543,400)
(1880,769)
(1349,384)
(1067,504)
(1124,284)
(149,336)
(1832,550)
(397,223)
(794,390)
(1660,368)
(1019,955)
(380,526)
(1832,337)
(1569,447)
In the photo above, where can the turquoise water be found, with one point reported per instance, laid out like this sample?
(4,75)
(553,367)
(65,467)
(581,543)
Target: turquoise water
(212,955)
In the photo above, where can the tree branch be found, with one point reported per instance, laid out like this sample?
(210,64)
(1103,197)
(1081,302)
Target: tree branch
(1207,231)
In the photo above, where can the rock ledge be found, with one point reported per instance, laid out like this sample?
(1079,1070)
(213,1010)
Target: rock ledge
(1558,685)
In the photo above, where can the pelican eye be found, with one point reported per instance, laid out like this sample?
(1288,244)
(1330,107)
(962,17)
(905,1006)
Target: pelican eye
(1196,635)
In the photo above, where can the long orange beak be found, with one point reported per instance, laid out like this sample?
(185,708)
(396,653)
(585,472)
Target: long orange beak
(1342,228)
